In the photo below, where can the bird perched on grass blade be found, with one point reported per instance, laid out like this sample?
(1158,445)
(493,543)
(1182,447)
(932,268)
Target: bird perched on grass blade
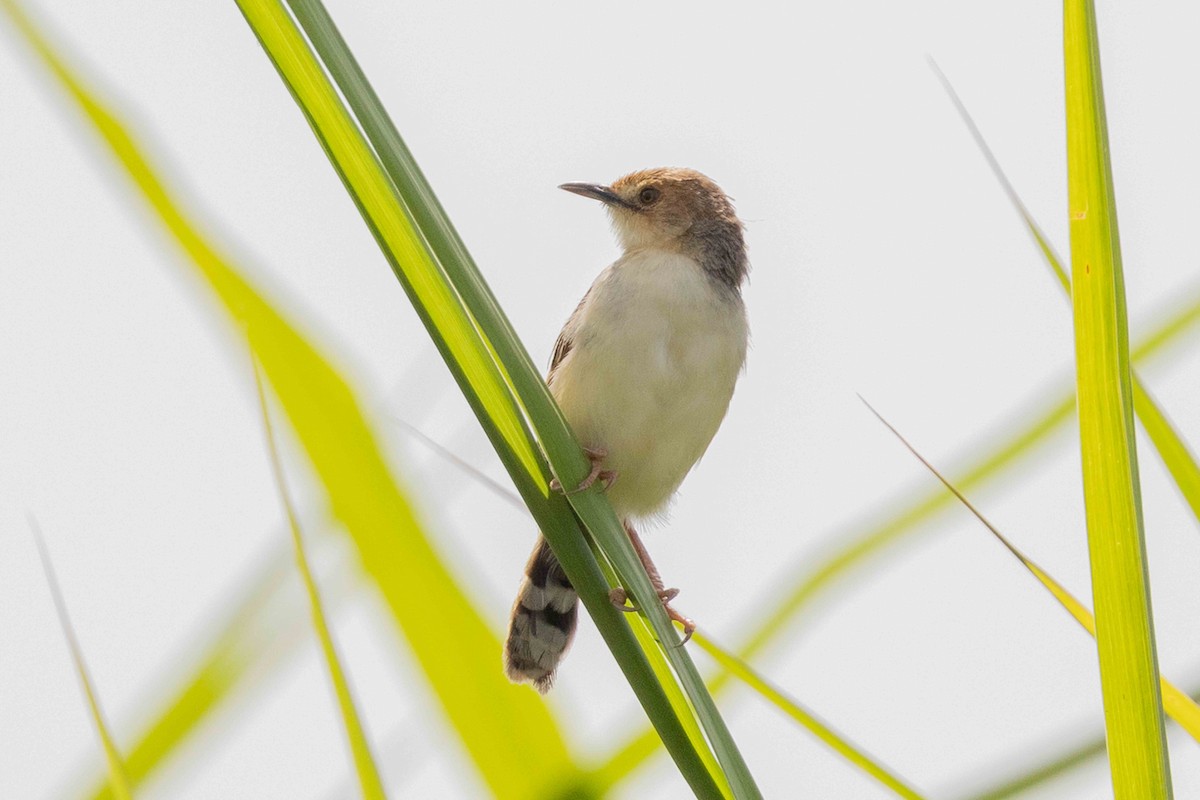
(643,371)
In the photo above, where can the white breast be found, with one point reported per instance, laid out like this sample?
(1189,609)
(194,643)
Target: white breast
(656,351)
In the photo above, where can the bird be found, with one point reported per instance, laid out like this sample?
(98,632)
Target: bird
(644,371)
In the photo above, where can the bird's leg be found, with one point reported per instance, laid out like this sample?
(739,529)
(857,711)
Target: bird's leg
(619,596)
(607,477)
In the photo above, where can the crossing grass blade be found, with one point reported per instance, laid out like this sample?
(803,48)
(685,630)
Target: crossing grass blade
(818,727)
(1170,446)
(118,780)
(516,747)
(360,749)
(1176,703)
(1129,678)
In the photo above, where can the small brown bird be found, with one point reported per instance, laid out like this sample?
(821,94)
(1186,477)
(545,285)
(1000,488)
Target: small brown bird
(643,370)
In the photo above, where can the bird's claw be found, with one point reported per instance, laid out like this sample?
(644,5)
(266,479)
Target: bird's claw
(620,599)
(607,477)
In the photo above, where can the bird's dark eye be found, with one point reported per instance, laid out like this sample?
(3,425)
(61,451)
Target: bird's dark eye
(648,195)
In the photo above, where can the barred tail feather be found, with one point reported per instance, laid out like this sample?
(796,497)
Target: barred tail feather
(542,623)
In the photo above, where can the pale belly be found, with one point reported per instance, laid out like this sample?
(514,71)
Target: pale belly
(656,354)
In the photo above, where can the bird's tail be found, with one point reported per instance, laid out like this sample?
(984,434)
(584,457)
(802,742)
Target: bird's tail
(542,621)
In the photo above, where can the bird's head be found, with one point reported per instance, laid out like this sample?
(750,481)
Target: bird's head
(672,208)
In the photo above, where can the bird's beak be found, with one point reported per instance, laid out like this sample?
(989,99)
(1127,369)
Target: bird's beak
(595,191)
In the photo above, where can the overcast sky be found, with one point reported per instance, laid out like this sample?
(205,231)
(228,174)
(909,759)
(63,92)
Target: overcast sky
(886,262)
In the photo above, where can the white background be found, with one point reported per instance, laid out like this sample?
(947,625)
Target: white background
(886,261)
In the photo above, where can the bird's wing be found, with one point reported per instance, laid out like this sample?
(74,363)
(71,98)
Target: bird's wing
(566,338)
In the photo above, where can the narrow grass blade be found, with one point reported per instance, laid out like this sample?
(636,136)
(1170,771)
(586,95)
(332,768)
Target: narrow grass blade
(1112,498)
(352,159)
(496,488)
(118,781)
(866,546)
(516,747)
(1176,703)
(741,670)
(1171,448)
(360,749)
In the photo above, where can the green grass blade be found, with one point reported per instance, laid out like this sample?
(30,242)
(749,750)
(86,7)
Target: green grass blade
(337,135)
(422,203)
(118,780)
(516,746)
(821,729)
(360,748)
(519,369)
(1169,445)
(1124,624)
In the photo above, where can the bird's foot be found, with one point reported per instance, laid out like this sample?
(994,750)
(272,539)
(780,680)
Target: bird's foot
(620,599)
(607,477)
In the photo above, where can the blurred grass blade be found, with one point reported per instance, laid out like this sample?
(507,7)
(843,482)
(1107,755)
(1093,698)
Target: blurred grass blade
(741,670)
(118,781)
(516,746)
(1176,703)
(375,192)
(1112,497)
(360,749)
(1171,448)
(262,629)
(1049,767)
(806,582)
(1045,772)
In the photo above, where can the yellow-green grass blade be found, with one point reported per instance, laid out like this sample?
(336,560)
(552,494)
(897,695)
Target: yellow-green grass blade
(1177,704)
(1124,623)
(118,781)
(319,101)
(516,746)
(864,547)
(1174,452)
(1176,455)
(360,748)
(821,729)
